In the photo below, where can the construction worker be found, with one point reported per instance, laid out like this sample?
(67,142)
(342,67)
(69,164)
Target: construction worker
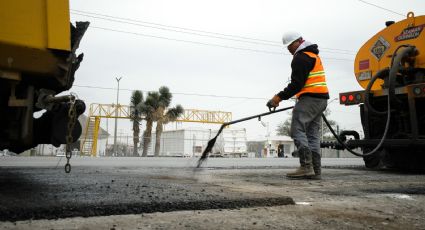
(308,85)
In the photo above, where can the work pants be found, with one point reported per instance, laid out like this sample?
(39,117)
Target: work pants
(306,122)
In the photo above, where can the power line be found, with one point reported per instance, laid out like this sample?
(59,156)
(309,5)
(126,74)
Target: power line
(204,43)
(194,32)
(188,94)
(201,95)
(176,27)
(176,93)
(188,41)
(344,52)
(179,31)
(380,7)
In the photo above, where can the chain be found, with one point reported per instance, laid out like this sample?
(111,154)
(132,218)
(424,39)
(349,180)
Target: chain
(69,138)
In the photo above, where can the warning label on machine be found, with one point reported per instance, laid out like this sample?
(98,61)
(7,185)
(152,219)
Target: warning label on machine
(410,33)
(379,48)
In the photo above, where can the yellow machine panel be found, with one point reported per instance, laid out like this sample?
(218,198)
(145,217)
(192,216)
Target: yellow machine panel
(376,53)
(37,24)
(38,60)
(97,111)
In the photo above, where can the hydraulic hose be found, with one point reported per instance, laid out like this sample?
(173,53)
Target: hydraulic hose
(379,74)
(387,125)
(395,68)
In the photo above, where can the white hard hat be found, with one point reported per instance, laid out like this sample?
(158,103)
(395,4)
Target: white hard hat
(290,37)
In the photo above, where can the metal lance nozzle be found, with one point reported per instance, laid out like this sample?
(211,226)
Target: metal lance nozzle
(212,141)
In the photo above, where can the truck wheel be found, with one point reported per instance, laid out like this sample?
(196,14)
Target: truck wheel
(373,161)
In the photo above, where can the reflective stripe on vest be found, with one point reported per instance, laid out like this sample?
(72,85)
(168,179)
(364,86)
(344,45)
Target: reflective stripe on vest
(316,81)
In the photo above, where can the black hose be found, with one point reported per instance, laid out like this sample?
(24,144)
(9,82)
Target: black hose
(379,74)
(387,125)
(391,94)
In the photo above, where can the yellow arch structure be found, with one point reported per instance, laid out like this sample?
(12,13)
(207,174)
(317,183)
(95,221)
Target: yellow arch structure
(98,111)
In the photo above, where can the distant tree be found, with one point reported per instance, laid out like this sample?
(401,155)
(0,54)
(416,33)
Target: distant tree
(155,109)
(163,115)
(327,134)
(136,103)
(148,109)
(284,128)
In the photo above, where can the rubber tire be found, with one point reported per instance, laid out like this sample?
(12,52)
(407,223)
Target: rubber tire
(373,161)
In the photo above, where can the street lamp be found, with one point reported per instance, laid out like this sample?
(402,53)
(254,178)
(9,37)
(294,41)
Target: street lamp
(267,125)
(116,116)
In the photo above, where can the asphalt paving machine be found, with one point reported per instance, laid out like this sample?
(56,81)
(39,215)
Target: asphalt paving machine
(38,62)
(390,67)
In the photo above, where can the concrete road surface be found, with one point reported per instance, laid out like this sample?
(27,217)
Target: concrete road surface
(228,193)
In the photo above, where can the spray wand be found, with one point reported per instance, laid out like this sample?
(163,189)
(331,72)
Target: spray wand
(212,141)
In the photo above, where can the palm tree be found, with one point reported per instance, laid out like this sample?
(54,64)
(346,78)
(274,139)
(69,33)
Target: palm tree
(136,103)
(161,117)
(148,109)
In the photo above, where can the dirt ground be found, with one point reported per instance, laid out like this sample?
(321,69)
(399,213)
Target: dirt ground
(348,197)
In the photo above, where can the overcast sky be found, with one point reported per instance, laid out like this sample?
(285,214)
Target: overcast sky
(234,74)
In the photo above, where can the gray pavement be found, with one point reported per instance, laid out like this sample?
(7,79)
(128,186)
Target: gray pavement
(169,162)
(227,193)
(38,187)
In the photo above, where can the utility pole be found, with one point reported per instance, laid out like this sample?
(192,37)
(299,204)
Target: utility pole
(116,116)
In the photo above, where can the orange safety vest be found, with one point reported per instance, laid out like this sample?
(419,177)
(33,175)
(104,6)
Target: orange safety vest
(316,81)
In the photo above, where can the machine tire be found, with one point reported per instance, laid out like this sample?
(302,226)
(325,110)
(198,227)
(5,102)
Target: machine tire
(373,161)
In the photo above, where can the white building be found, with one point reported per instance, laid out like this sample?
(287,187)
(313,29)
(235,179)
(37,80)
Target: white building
(231,142)
(271,146)
(192,142)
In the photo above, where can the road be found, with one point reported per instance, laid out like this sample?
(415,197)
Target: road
(227,193)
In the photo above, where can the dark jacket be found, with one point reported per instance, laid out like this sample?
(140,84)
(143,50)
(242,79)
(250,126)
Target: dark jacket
(301,66)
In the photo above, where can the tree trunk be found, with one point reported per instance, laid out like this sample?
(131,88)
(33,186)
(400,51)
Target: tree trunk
(147,137)
(136,132)
(158,137)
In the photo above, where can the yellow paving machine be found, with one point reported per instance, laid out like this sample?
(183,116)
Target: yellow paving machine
(390,67)
(38,62)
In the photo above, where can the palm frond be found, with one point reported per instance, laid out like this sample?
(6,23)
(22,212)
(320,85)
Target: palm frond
(165,96)
(136,98)
(173,113)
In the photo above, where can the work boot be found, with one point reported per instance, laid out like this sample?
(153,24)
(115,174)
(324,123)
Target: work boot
(301,173)
(316,166)
(305,170)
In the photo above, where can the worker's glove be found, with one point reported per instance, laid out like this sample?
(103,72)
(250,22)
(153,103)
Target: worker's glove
(274,102)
